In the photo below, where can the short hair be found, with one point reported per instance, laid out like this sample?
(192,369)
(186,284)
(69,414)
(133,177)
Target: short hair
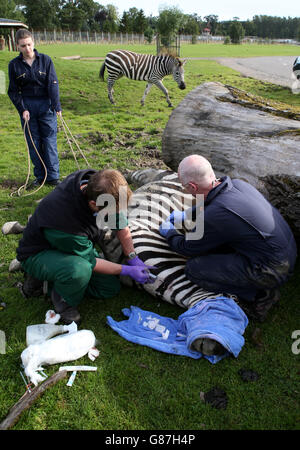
(107,181)
(22,33)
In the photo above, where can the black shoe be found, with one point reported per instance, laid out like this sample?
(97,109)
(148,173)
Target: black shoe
(60,305)
(68,313)
(32,287)
(264,302)
(208,347)
(53,182)
(258,308)
(34,184)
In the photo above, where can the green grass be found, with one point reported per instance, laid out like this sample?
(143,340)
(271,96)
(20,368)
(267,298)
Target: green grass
(186,50)
(136,387)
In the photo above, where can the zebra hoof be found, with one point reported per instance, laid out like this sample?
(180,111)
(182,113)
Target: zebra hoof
(208,347)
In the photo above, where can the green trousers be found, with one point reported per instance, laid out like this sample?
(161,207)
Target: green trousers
(71,276)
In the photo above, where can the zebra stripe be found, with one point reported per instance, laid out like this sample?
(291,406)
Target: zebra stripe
(140,67)
(171,284)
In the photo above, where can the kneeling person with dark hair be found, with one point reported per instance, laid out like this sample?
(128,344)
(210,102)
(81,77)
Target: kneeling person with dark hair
(58,242)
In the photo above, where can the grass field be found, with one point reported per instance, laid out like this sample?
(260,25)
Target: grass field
(135,387)
(186,50)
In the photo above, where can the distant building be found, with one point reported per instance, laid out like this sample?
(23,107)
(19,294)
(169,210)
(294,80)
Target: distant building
(12,26)
(206,31)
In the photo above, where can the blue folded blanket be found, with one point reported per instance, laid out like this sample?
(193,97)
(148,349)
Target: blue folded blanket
(219,318)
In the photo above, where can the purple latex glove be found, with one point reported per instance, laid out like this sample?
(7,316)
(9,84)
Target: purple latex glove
(136,261)
(137,273)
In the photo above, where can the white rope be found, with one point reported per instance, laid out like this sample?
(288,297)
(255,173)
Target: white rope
(18,191)
(66,131)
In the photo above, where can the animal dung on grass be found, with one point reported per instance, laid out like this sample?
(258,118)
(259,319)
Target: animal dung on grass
(216,397)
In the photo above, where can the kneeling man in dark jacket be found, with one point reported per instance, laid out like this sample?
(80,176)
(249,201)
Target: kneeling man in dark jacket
(247,248)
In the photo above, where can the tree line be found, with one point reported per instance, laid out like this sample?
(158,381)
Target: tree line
(87,15)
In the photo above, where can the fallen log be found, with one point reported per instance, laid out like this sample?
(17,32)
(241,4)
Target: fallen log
(242,136)
(28,399)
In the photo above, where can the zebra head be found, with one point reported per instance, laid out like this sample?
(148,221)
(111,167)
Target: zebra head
(178,72)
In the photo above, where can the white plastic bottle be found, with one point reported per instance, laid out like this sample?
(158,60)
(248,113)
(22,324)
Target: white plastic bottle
(35,334)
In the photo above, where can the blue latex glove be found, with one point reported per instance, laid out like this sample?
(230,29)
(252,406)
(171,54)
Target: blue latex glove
(137,273)
(165,227)
(177,217)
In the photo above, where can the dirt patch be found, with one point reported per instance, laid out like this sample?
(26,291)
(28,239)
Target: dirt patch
(9,184)
(87,58)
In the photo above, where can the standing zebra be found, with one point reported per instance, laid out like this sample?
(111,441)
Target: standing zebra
(140,67)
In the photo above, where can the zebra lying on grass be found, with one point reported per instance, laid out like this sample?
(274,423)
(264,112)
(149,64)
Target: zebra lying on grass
(151,203)
(141,67)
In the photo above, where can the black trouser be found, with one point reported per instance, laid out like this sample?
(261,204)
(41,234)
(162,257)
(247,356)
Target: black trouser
(234,274)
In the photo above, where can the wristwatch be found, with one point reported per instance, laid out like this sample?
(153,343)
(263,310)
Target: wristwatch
(131,255)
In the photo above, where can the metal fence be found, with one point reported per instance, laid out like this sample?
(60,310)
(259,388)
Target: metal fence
(86,37)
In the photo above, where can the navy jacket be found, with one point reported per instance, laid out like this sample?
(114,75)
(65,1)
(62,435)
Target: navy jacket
(38,80)
(65,209)
(239,217)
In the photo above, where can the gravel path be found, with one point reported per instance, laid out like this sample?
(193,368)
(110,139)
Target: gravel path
(274,69)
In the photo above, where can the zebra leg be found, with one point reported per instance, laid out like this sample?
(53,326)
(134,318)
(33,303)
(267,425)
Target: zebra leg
(110,83)
(160,85)
(148,87)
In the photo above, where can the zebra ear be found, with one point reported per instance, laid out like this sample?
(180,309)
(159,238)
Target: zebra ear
(181,63)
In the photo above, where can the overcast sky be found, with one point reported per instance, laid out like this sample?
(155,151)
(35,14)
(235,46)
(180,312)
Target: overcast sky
(224,9)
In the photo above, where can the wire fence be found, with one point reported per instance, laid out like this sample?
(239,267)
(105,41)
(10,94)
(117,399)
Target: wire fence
(87,37)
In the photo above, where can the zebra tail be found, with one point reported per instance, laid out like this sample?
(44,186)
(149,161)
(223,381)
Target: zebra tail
(102,70)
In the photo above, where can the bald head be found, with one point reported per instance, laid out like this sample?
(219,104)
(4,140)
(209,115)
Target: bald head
(196,169)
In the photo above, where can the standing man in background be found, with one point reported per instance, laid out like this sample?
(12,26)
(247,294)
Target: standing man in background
(33,89)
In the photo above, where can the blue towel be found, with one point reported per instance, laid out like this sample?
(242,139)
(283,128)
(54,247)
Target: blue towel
(220,319)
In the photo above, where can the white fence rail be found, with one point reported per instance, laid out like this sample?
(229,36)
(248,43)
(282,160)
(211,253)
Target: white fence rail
(86,37)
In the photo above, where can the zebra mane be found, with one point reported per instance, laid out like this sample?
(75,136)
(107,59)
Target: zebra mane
(171,56)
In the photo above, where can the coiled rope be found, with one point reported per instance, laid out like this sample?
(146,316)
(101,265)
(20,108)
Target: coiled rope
(69,137)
